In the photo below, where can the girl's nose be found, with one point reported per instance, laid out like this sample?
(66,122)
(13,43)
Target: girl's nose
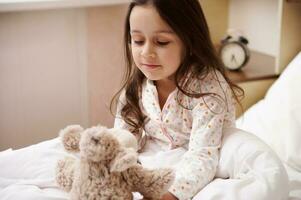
(148,51)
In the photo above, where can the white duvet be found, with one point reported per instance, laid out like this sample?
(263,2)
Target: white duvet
(248,169)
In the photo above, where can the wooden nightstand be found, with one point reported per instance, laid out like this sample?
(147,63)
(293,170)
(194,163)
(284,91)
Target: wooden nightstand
(255,78)
(272,27)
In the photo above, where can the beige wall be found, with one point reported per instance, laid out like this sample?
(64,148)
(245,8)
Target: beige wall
(42,75)
(290,38)
(259,21)
(57,67)
(105,59)
(217,15)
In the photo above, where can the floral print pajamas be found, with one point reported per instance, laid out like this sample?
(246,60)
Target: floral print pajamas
(197,129)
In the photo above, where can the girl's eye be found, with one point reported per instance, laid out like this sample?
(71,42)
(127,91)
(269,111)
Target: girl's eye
(162,43)
(138,42)
(141,42)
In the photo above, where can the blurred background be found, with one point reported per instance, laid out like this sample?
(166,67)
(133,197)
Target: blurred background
(62,61)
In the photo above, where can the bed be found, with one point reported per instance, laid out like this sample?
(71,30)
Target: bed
(261,159)
(276,120)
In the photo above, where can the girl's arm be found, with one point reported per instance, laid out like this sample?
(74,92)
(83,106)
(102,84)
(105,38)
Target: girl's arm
(198,165)
(120,123)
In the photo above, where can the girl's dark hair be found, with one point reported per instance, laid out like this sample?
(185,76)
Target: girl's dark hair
(187,20)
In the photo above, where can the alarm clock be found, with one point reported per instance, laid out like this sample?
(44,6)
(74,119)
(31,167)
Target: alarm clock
(234,53)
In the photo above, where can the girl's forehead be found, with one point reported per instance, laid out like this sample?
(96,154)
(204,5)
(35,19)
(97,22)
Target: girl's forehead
(147,19)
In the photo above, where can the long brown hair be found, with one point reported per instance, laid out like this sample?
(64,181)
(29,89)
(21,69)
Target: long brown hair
(187,20)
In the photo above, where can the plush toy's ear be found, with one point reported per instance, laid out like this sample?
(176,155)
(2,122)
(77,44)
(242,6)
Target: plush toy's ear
(126,158)
(70,137)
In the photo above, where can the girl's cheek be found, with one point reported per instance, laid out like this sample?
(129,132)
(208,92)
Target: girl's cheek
(135,54)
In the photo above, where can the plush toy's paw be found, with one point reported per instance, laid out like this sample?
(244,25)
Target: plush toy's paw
(166,177)
(152,184)
(160,185)
(125,159)
(70,137)
(65,173)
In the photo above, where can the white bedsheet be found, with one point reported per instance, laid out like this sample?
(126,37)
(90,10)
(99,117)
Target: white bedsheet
(28,173)
(294,183)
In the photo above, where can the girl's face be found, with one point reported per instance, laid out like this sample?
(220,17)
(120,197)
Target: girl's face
(157,51)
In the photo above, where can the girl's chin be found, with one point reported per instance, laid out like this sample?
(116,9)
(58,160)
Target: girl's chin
(152,78)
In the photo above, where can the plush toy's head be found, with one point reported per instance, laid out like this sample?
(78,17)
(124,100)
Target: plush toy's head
(115,147)
(97,144)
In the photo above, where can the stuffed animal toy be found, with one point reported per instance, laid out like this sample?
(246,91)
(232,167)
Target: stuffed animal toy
(106,167)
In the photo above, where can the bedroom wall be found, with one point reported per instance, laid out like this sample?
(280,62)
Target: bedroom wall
(290,42)
(105,59)
(57,67)
(217,16)
(258,23)
(42,75)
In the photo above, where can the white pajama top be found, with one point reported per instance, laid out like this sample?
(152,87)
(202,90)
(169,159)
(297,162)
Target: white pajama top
(188,140)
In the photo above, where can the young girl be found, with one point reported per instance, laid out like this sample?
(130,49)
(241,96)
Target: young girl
(176,98)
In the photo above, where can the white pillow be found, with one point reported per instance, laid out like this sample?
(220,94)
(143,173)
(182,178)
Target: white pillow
(277,118)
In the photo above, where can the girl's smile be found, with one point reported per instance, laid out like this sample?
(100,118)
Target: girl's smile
(151,66)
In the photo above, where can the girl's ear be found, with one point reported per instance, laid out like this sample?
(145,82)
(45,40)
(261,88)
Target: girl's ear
(126,158)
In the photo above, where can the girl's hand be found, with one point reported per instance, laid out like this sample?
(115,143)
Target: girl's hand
(169,196)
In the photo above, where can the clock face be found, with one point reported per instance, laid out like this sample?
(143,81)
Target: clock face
(233,55)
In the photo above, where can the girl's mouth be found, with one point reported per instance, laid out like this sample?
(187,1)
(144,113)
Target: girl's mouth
(151,66)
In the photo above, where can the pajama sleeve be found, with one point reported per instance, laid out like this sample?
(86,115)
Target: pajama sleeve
(119,122)
(198,165)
